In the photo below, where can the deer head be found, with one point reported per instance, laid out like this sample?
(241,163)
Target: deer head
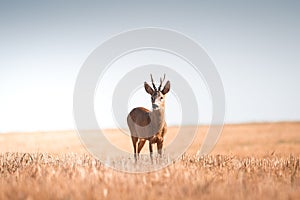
(157,95)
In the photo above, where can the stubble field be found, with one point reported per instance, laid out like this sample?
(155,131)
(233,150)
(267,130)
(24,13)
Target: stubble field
(250,161)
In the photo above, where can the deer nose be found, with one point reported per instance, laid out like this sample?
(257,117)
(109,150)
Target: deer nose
(155,106)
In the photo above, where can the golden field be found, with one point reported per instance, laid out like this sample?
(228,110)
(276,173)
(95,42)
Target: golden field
(250,161)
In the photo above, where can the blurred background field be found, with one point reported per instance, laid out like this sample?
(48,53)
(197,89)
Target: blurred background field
(240,139)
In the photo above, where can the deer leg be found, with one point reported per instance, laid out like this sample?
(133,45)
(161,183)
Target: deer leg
(140,145)
(134,141)
(159,147)
(151,151)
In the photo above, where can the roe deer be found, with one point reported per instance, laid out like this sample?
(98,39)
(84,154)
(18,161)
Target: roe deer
(149,125)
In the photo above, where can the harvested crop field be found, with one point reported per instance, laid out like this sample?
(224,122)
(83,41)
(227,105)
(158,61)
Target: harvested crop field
(251,161)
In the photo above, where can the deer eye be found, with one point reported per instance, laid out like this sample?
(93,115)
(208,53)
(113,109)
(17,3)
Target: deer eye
(161,98)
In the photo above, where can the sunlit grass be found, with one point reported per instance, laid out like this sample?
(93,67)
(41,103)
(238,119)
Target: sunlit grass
(80,176)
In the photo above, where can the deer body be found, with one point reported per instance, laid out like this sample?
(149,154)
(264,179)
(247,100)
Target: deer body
(149,125)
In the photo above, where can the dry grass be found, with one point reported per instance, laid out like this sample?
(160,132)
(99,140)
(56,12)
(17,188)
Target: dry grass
(257,161)
(71,176)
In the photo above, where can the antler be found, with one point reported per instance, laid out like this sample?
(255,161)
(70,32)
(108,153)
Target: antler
(161,81)
(153,82)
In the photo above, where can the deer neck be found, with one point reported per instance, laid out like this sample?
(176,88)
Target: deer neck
(158,119)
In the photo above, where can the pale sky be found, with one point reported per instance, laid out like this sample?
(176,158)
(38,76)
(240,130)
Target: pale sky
(255,46)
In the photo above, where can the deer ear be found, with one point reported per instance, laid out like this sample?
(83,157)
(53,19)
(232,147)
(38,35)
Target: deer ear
(148,89)
(166,88)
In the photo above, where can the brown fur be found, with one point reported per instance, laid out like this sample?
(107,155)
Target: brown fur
(149,125)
